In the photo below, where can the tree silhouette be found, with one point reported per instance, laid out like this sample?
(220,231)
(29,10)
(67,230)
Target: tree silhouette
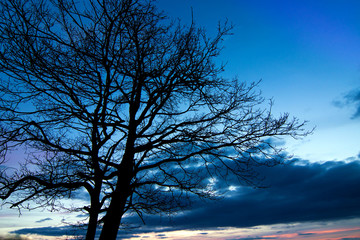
(112,98)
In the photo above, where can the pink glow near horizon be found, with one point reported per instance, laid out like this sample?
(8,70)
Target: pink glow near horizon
(333,234)
(264,232)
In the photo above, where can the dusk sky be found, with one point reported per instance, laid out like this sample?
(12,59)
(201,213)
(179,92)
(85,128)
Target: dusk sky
(307,54)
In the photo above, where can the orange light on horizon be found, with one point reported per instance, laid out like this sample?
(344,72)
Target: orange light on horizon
(332,230)
(285,235)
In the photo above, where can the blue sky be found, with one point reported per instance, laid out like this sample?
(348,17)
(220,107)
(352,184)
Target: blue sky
(307,54)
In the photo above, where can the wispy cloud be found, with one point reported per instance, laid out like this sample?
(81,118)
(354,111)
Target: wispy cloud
(51,231)
(356,238)
(255,238)
(319,234)
(44,220)
(350,99)
(14,237)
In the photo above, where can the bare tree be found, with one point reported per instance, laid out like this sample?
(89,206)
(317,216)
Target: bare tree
(111,97)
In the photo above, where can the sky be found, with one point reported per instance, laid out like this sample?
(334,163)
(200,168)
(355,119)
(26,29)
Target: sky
(307,54)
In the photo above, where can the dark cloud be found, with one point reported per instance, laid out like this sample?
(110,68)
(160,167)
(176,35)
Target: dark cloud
(297,192)
(354,98)
(64,230)
(51,231)
(44,220)
(306,234)
(351,99)
(161,236)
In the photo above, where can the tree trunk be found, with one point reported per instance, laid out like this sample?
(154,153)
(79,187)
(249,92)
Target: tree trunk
(122,191)
(117,205)
(91,230)
(113,216)
(94,210)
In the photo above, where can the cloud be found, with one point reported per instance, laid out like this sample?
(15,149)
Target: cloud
(354,98)
(44,220)
(254,238)
(14,237)
(351,99)
(306,234)
(64,230)
(319,234)
(299,192)
(51,231)
(161,236)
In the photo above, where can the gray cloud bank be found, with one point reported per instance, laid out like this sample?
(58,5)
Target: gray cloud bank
(297,193)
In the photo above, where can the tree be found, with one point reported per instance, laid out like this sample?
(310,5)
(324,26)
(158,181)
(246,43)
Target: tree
(114,99)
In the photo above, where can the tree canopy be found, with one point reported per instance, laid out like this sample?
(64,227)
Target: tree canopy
(115,99)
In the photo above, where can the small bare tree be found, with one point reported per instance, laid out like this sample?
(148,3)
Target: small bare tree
(111,97)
